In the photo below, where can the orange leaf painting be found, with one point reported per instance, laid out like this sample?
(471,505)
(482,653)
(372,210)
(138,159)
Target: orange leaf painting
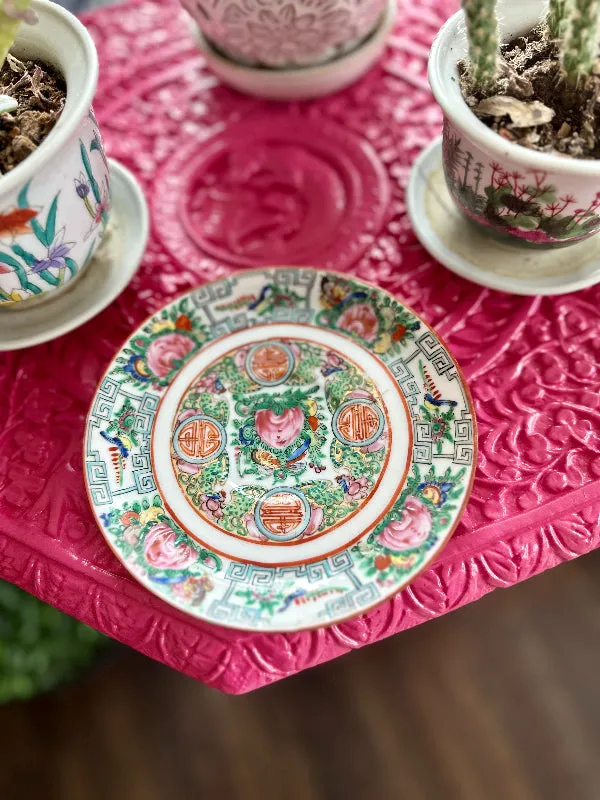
(16,221)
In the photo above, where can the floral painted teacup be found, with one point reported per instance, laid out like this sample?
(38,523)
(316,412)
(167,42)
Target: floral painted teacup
(285,34)
(54,206)
(545,199)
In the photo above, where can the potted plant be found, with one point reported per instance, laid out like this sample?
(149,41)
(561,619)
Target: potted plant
(40,647)
(54,187)
(292,50)
(519,90)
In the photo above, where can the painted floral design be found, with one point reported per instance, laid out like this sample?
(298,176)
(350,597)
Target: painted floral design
(96,198)
(401,540)
(523,202)
(165,344)
(287,33)
(33,249)
(260,422)
(279,436)
(166,351)
(16,221)
(410,530)
(162,551)
(437,411)
(372,318)
(279,430)
(56,255)
(154,547)
(193,590)
(212,505)
(354,488)
(361,320)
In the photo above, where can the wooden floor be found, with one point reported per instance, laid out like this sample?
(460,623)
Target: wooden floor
(498,701)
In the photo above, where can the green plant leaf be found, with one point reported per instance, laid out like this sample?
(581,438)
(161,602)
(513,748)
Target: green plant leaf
(545,194)
(39,646)
(496,196)
(22,200)
(20,271)
(49,277)
(88,169)
(51,222)
(28,258)
(525,221)
(71,266)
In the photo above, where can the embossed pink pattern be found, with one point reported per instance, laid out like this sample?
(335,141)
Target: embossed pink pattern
(533,363)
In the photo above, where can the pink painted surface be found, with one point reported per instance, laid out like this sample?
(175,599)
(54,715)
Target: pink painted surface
(533,364)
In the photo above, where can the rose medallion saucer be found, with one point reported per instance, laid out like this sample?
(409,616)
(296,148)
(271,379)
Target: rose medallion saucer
(280,450)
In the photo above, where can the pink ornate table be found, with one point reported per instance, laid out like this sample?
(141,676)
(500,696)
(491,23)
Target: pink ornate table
(218,204)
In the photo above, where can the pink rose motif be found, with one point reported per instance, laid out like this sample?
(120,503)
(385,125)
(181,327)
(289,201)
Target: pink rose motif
(189,469)
(239,359)
(163,352)
(279,430)
(316,518)
(253,532)
(208,383)
(360,394)
(131,534)
(294,348)
(411,530)
(189,412)
(361,320)
(161,551)
(377,445)
(356,489)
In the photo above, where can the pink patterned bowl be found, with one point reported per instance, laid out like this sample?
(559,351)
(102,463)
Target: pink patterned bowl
(276,33)
(544,199)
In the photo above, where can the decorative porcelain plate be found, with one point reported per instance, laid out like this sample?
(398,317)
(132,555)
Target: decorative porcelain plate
(279,450)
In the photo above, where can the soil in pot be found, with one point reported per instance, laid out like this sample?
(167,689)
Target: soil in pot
(40,92)
(534,105)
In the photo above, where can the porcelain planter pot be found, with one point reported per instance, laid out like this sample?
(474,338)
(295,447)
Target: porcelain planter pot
(54,206)
(303,82)
(545,199)
(272,33)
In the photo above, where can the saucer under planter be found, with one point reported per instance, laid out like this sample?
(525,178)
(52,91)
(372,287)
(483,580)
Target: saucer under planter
(472,252)
(301,83)
(541,199)
(109,272)
(54,205)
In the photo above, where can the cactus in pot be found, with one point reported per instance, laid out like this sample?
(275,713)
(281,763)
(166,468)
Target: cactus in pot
(579,43)
(522,127)
(572,24)
(484,53)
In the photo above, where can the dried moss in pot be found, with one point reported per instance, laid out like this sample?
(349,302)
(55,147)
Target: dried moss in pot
(542,90)
(32,95)
(40,93)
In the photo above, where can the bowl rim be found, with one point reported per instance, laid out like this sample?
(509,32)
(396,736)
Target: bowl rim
(447,49)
